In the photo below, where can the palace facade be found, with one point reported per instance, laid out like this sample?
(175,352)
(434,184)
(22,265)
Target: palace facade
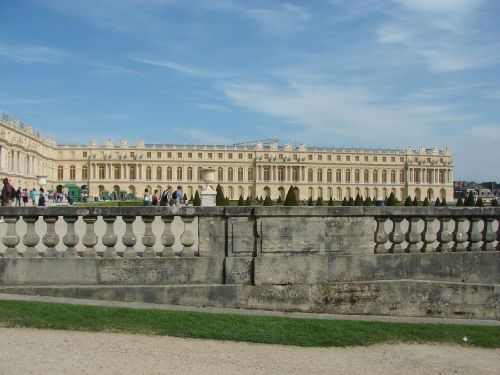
(256,169)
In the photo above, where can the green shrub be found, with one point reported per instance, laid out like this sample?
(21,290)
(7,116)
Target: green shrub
(196,200)
(279,199)
(479,202)
(330,202)
(310,201)
(291,199)
(248,201)
(368,202)
(358,201)
(437,203)
(494,202)
(350,202)
(460,202)
(408,201)
(319,202)
(470,202)
(241,202)
(391,201)
(415,201)
(268,201)
(443,202)
(426,202)
(344,202)
(219,198)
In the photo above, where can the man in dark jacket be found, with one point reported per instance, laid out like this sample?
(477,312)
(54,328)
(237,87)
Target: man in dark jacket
(8,193)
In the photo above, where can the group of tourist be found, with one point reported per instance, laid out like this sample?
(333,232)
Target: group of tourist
(10,196)
(169,197)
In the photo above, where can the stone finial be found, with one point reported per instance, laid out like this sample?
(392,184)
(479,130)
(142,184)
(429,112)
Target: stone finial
(124,143)
(109,143)
(302,147)
(140,144)
(93,142)
(259,146)
(287,147)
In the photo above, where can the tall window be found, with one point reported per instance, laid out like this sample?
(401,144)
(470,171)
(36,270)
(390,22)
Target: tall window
(190,174)
(384,176)
(281,173)
(320,175)
(365,176)
(220,174)
(148,173)
(169,173)
(230,174)
(429,175)
(199,174)
(356,176)
(131,172)
(375,177)
(158,173)
(250,174)
(240,173)
(179,173)
(393,176)
(348,175)
(85,172)
(401,176)
(72,172)
(338,175)
(116,171)
(441,176)
(102,171)
(328,175)
(60,172)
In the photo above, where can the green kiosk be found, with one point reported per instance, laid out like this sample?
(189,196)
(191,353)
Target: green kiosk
(73,192)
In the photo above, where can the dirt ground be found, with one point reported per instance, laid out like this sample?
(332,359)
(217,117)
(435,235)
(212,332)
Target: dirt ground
(30,351)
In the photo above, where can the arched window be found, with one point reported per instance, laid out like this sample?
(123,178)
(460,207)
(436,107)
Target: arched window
(384,176)
(320,176)
(366,175)
(393,176)
(148,173)
(250,174)
(240,174)
(72,172)
(199,174)
(158,173)
(220,174)
(230,174)
(401,176)
(179,173)
(356,176)
(416,175)
(60,172)
(116,171)
(338,176)
(375,177)
(281,173)
(169,173)
(310,175)
(190,174)
(339,193)
(429,176)
(231,192)
(348,176)
(102,171)
(85,172)
(328,175)
(441,176)
(131,172)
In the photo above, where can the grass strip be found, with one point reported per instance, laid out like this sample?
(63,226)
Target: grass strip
(256,329)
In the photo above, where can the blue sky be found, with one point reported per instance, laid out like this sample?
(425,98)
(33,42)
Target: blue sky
(362,73)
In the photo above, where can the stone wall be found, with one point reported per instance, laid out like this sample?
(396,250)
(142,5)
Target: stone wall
(407,261)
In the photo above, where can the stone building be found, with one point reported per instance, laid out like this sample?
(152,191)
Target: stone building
(256,169)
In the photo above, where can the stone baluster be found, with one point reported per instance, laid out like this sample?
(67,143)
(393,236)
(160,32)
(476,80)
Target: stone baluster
(70,239)
(167,238)
(31,238)
(396,236)
(381,236)
(489,235)
(109,239)
(187,237)
(460,235)
(445,236)
(129,239)
(50,239)
(475,235)
(11,239)
(148,239)
(413,236)
(89,239)
(430,236)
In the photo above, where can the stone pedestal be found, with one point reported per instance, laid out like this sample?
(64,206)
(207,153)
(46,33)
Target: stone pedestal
(208,198)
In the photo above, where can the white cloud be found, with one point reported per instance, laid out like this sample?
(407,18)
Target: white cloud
(26,54)
(180,68)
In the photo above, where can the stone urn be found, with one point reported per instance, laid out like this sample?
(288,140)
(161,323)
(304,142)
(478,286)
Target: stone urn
(208,194)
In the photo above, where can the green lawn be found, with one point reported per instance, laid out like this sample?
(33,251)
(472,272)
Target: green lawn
(270,330)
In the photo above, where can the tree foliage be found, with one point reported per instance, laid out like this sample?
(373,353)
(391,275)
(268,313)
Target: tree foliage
(290,199)
(241,202)
(196,200)
(268,201)
(330,202)
(219,198)
(408,201)
(358,201)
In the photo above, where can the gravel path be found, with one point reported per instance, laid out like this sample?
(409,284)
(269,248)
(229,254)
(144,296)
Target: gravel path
(30,351)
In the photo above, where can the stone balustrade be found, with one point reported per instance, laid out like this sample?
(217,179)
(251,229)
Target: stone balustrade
(244,231)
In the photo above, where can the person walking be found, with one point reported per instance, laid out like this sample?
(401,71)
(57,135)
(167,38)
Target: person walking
(147,198)
(18,197)
(25,197)
(8,193)
(42,201)
(178,195)
(154,198)
(33,196)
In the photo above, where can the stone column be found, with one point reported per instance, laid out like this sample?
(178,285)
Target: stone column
(460,235)
(50,239)
(430,235)
(129,239)
(89,239)
(167,238)
(70,239)
(396,236)
(187,237)
(31,238)
(489,235)
(11,238)
(148,239)
(445,236)
(475,236)
(109,239)
(413,236)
